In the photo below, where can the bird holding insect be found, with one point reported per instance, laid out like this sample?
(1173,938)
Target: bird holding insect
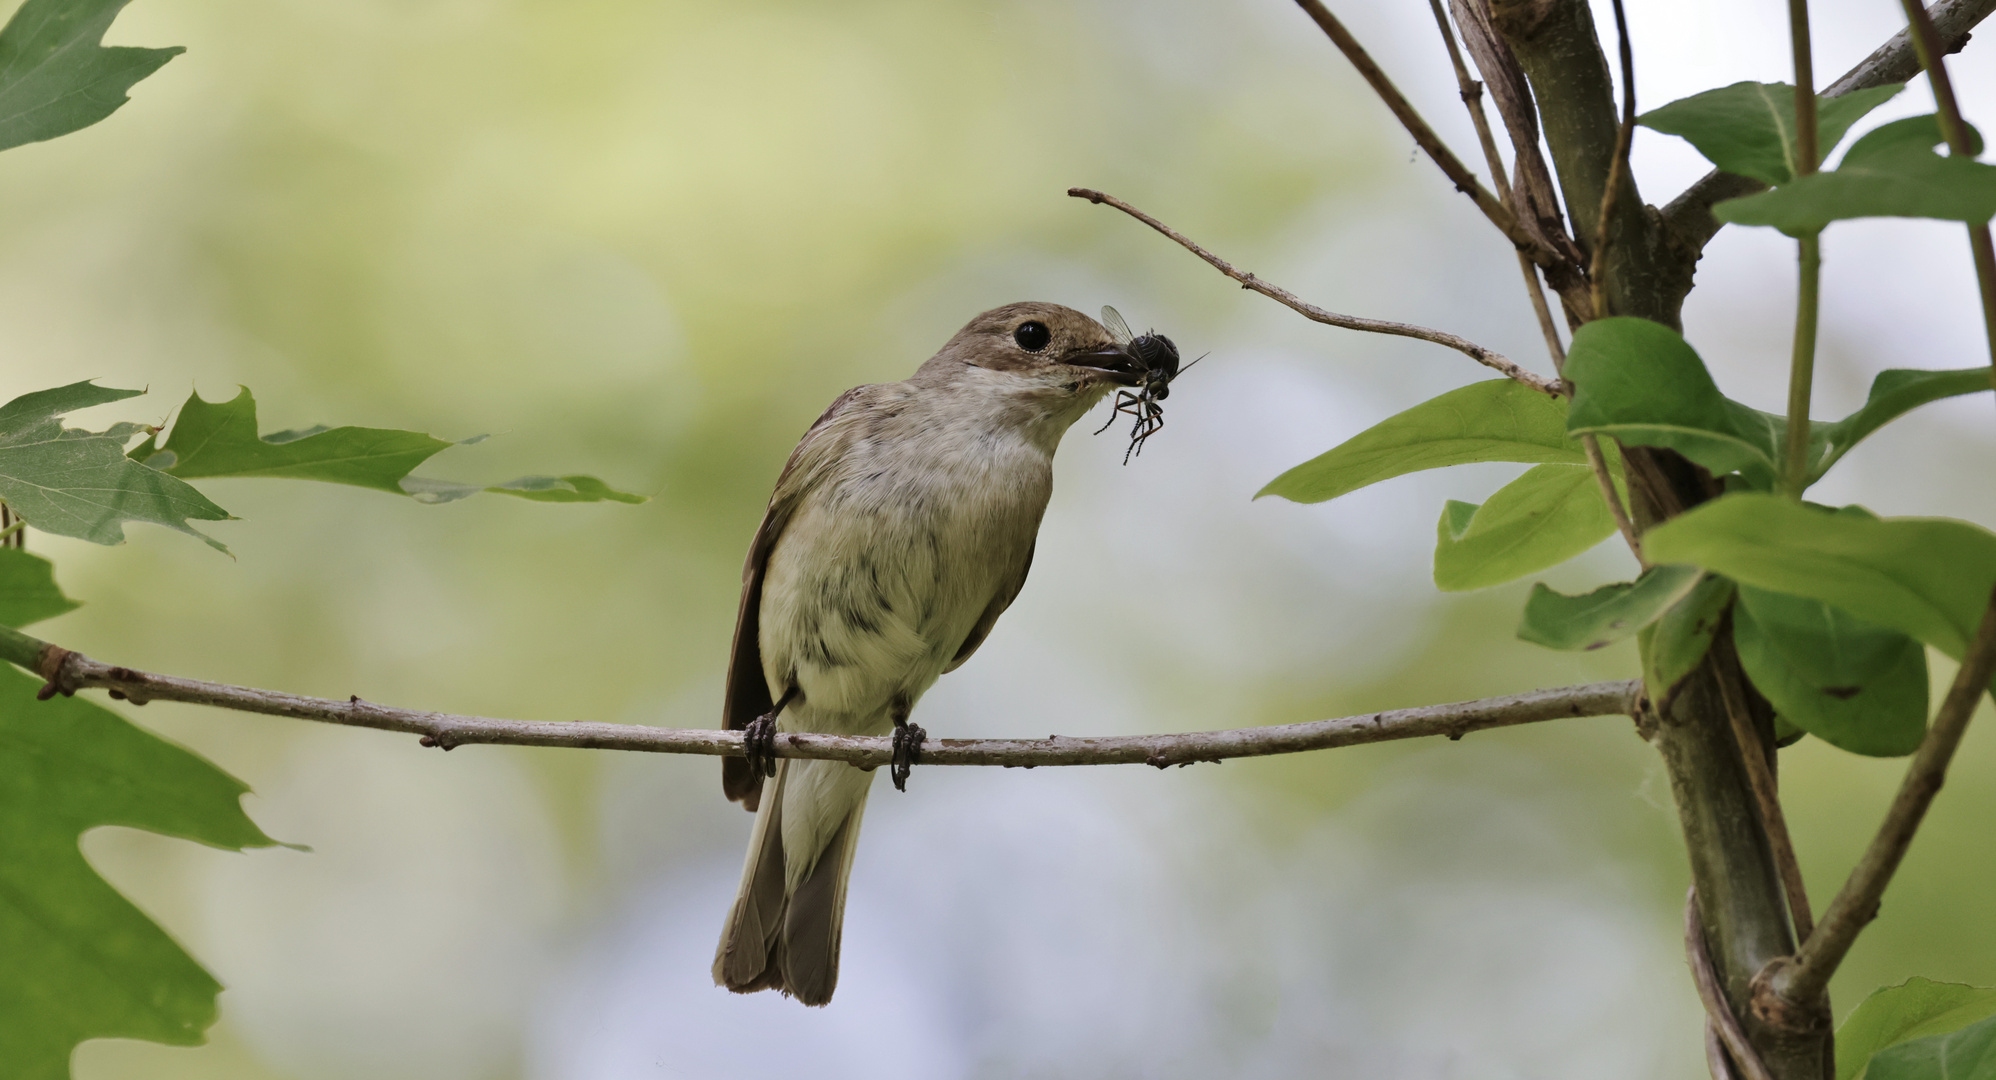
(900,530)
(1158,358)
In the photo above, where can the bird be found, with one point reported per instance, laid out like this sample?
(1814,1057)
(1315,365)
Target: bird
(901,527)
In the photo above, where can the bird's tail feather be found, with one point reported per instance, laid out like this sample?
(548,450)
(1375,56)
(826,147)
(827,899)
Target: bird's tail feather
(774,941)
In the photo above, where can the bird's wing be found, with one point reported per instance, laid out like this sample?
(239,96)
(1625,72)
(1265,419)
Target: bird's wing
(992,610)
(748,688)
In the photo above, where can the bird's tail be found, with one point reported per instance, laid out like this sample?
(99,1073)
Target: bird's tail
(783,932)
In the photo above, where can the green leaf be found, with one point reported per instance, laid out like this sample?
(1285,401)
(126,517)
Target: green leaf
(213,439)
(81,961)
(1498,420)
(219,439)
(28,592)
(1914,1009)
(80,483)
(1856,686)
(1891,172)
(1893,394)
(1642,383)
(55,75)
(1748,128)
(1965,1054)
(1606,615)
(1539,520)
(562,489)
(1929,578)
(1674,644)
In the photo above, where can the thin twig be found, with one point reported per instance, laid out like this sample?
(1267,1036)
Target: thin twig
(1804,979)
(1618,169)
(1809,264)
(68,672)
(1716,1061)
(1927,41)
(1487,357)
(1465,181)
(1717,1013)
(1472,99)
(1760,777)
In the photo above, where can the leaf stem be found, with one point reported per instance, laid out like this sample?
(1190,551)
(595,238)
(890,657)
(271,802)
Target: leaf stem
(1802,363)
(1856,904)
(68,672)
(1927,42)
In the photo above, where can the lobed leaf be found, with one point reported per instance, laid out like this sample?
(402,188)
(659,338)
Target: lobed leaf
(80,483)
(1748,128)
(1914,1009)
(1891,172)
(1498,420)
(1674,645)
(56,76)
(1539,520)
(1967,1053)
(1929,578)
(1856,686)
(82,962)
(1606,615)
(216,439)
(1644,384)
(28,591)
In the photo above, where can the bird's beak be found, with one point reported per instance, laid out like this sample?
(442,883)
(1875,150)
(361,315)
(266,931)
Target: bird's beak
(1115,362)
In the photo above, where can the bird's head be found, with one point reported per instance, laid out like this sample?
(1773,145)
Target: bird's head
(1051,359)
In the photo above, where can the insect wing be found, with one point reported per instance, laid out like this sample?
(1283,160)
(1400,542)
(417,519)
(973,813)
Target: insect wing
(1118,329)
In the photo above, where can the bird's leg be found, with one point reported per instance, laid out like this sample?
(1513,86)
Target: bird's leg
(759,737)
(907,745)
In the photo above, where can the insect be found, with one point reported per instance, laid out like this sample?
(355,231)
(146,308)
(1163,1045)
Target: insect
(1159,358)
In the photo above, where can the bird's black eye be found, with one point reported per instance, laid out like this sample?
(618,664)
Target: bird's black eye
(1032,336)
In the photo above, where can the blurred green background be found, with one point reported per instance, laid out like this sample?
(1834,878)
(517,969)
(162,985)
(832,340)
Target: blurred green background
(649,241)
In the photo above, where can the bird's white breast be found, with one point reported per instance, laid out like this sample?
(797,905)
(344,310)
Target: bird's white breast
(924,515)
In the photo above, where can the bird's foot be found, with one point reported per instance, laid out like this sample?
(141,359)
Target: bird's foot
(759,744)
(907,753)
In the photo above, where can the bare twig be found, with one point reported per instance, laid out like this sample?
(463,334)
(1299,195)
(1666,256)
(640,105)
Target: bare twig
(1472,99)
(1488,357)
(1760,776)
(1718,1015)
(1927,42)
(1803,980)
(1689,215)
(1618,168)
(1465,181)
(68,672)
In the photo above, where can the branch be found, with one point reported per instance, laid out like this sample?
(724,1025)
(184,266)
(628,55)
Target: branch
(1465,181)
(1689,216)
(1720,1023)
(68,672)
(1804,979)
(1487,357)
(1930,47)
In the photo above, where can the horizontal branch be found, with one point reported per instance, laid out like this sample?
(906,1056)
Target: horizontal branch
(1487,357)
(68,672)
(1689,216)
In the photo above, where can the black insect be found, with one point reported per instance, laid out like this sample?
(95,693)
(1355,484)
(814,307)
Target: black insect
(1159,358)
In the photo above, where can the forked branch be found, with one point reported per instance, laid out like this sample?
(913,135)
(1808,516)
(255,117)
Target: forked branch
(68,672)
(1487,357)
(1804,979)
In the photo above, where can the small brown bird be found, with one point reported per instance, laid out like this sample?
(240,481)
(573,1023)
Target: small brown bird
(901,528)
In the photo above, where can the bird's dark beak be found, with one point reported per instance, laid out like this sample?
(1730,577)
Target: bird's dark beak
(1116,362)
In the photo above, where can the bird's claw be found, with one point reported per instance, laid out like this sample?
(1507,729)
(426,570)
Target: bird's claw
(907,753)
(759,744)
